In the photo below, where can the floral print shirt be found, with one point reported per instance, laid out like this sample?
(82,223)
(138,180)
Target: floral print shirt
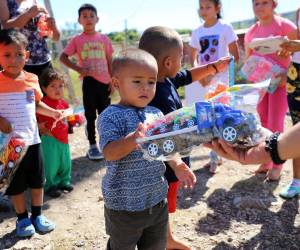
(39,52)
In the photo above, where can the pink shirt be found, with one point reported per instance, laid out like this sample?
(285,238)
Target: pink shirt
(278,27)
(92,52)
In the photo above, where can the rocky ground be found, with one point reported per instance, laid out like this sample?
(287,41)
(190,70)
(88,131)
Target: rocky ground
(232,209)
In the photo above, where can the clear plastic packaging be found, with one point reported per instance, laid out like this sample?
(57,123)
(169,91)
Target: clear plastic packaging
(12,150)
(229,115)
(257,69)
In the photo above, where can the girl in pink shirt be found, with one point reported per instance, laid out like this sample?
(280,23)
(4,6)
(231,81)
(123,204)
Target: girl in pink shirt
(273,107)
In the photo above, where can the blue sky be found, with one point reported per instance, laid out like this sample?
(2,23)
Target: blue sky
(141,14)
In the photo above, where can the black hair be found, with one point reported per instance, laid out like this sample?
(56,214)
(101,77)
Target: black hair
(50,74)
(159,41)
(11,36)
(87,6)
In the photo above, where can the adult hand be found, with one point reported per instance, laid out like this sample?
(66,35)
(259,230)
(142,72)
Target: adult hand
(35,9)
(291,46)
(253,155)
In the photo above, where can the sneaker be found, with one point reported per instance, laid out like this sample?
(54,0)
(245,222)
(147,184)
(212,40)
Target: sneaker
(53,192)
(290,192)
(94,154)
(24,228)
(42,224)
(67,188)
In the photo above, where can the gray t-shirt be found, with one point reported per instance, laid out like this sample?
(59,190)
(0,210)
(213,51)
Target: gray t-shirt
(131,183)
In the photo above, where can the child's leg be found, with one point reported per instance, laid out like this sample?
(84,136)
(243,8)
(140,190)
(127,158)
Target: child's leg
(124,228)
(65,167)
(89,87)
(19,203)
(51,153)
(172,242)
(262,110)
(154,236)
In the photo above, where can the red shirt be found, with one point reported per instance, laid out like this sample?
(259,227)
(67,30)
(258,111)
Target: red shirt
(60,131)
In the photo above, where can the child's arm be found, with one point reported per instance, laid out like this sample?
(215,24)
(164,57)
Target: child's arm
(193,57)
(64,58)
(21,20)
(52,26)
(183,173)
(234,50)
(5,126)
(43,109)
(213,68)
(117,150)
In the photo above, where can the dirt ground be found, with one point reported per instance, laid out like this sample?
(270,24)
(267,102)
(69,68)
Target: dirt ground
(232,209)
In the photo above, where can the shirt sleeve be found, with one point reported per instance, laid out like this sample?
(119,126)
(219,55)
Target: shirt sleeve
(288,27)
(70,49)
(230,34)
(182,78)
(108,129)
(194,42)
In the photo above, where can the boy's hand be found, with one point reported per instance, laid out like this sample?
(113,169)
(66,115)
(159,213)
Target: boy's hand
(5,126)
(43,129)
(57,115)
(185,175)
(139,133)
(222,64)
(84,72)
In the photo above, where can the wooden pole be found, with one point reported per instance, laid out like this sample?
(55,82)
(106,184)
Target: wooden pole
(71,92)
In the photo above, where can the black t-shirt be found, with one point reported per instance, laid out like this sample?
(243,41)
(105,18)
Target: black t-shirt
(167,100)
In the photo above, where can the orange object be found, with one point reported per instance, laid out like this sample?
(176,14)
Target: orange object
(43,27)
(220,88)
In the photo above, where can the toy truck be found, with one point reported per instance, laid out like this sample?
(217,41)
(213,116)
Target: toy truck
(180,131)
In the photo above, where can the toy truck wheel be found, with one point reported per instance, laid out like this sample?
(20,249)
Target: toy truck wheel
(10,164)
(152,149)
(18,149)
(229,134)
(168,146)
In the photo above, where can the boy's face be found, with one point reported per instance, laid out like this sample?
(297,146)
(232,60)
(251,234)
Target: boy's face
(173,62)
(88,19)
(12,59)
(136,85)
(55,90)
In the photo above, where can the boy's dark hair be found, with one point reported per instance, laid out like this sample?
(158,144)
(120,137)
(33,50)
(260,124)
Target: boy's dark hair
(159,40)
(50,74)
(87,6)
(132,57)
(11,36)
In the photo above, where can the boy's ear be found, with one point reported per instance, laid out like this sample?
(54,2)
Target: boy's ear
(115,82)
(27,54)
(167,62)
